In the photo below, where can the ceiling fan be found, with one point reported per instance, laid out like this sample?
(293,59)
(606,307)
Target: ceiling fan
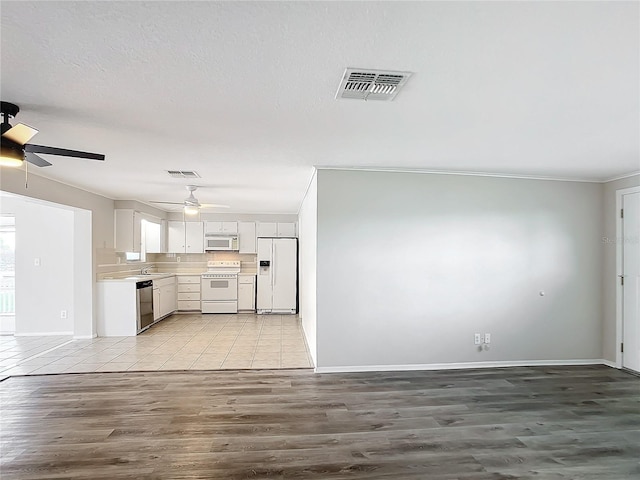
(191,204)
(14,149)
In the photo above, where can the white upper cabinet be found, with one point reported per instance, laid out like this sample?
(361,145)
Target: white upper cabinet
(151,236)
(175,237)
(185,237)
(273,229)
(267,229)
(229,227)
(247,237)
(127,230)
(287,229)
(194,237)
(225,228)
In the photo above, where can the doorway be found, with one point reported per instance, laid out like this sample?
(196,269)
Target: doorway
(7,274)
(629,274)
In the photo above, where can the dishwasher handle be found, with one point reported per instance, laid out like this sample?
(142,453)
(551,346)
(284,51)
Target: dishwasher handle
(144,284)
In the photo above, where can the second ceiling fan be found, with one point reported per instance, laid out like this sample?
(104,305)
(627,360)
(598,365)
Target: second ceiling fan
(191,204)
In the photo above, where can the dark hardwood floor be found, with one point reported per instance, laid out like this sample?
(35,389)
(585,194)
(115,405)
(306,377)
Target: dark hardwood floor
(543,423)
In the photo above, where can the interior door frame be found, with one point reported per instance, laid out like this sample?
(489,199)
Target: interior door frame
(619,269)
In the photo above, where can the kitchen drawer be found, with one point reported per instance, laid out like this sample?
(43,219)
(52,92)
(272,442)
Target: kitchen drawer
(188,305)
(188,296)
(246,279)
(189,287)
(189,279)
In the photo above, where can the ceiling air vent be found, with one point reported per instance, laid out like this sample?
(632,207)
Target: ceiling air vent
(183,174)
(363,84)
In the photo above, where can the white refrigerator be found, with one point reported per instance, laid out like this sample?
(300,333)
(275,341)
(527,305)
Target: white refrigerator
(277,288)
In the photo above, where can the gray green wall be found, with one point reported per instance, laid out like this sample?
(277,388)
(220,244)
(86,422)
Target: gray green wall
(410,266)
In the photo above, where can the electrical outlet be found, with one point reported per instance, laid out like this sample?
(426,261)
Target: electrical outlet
(487,338)
(36,262)
(178,259)
(63,314)
(476,339)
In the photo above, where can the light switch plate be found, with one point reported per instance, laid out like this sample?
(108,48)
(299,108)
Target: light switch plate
(36,262)
(487,338)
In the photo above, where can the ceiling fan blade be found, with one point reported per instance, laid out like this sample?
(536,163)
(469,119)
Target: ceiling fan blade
(167,203)
(213,205)
(62,152)
(20,133)
(36,160)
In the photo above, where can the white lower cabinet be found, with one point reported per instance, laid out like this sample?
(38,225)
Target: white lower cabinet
(188,292)
(156,303)
(247,292)
(118,304)
(166,297)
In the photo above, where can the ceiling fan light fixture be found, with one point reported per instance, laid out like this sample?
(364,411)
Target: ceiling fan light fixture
(10,157)
(191,210)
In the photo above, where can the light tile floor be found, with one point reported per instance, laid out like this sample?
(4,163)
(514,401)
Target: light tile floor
(180,342)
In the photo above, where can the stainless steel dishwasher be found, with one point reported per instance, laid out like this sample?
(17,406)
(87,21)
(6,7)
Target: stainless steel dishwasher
(144,304)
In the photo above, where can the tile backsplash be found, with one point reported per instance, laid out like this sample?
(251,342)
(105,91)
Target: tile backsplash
(112,263)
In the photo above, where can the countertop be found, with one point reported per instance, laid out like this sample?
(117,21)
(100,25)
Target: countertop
(152,276)
(137,278)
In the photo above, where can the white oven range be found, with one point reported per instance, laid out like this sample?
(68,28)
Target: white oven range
(219,287)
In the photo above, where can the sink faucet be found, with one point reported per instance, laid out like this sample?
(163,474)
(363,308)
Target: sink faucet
(144,271)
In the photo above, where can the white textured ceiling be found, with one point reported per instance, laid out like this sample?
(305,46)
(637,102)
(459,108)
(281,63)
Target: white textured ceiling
(243,92)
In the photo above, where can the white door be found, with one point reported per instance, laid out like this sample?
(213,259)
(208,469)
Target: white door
(631,286)
(284,273)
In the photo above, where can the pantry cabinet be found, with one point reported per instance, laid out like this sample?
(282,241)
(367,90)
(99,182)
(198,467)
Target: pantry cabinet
(247,237)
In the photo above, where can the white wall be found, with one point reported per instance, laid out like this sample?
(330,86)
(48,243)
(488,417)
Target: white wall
(93,222)
(12,181)
(410,266)
(609,278)
(307,234)
(140,207)
(44,233)
(84,320)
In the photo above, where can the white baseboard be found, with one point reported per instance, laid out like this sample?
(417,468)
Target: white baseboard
(610,364)
(85,337)
(42,334)
(462,365)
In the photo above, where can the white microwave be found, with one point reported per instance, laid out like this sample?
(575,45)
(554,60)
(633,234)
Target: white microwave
(213,241)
